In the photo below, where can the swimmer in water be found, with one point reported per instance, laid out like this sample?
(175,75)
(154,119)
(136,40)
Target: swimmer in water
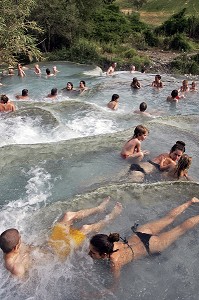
(113,104)
(64,238)
(132,148)
(53,93)
(37,70)
(142,110)
(147,240)
(111,69)
(5,104)
(135,84)
(24,95)
(163,162)
(157,82)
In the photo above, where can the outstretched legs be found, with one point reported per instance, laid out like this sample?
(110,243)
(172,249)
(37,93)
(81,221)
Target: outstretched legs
(165,239)
(155,227)
(70,217)
(96,227)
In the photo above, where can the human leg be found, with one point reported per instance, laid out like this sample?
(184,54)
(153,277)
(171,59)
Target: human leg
(157,226)
(165,239)
(86,229)
(70,216)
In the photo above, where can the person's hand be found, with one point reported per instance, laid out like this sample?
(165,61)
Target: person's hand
(145,152)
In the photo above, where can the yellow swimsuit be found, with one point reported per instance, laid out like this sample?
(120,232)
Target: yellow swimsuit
(63,240)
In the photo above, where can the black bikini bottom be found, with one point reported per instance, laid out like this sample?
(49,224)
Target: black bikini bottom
(136,167)
(154,164)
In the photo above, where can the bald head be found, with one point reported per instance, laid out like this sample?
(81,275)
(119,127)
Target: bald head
(9,240)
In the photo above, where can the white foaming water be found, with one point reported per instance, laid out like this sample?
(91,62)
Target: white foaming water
(89,125)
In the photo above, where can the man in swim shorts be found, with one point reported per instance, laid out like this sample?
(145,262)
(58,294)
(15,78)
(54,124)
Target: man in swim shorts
(63,238)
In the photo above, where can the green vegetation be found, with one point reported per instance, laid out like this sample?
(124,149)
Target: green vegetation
(67,30)
(172,7)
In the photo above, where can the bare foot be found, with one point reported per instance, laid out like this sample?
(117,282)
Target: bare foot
(117,209)
(194,200)
(103,205)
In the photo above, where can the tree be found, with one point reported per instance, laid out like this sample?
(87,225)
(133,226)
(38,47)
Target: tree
(16,32)
(138,3)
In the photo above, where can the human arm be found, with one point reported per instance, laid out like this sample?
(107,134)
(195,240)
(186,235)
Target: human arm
(166,164)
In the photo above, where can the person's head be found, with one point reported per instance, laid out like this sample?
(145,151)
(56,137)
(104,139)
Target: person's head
(54,92)
(135,80)
(24,92)
(185,83)
(193,84)
(36,66)
(114,64)
(174,93)
(177,150)
(115,97)
(48,71)
(143,106)
(132,68)
(157,77)
(4,99)
(101,245)
(141,132)
(9,240)
(69,86)
(82,84)
(183,164)
(11,70)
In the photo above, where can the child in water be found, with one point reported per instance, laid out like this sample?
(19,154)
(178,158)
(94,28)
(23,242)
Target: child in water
(135,83)
(133,147)
(185,86)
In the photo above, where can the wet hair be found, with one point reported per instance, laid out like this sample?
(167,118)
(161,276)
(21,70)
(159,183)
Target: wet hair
(139,130)
(24,92)
(179,145)
(9,240)
(183,164)
(54,91)
(158,76)
(84,83)
(174,93)
(104,243)
(48,71)
(115,97)
(185,82)
(135,80)
(143,106)
(4,99)
(69,82)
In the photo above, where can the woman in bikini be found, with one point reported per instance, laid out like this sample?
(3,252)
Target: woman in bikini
(147,239)
(162,162)
(178,171)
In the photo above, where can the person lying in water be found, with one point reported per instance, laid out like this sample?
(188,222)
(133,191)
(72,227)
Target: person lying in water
(132,148)
(162,162)
(63,238)
(148,239)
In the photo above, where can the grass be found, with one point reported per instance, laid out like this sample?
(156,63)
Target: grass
(155,12)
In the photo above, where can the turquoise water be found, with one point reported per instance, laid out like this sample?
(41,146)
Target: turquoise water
(63,154)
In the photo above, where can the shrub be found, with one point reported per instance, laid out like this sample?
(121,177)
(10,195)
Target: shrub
(130,53)
(179,42)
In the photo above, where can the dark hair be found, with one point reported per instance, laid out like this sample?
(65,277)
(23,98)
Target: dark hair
(183,164)
(9,240)
(139,130)
(48,71)
(143,106)
(69,82)
(179,145)
(54,91)
(115,97)
(174,93)
(84,83)
(158,76)
(104,243)
(24,92)
(4,99)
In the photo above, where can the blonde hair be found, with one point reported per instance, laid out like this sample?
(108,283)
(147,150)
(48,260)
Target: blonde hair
(183,165)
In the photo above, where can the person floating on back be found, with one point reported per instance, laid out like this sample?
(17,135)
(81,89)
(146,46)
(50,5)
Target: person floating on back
(132,148)
(113,104)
